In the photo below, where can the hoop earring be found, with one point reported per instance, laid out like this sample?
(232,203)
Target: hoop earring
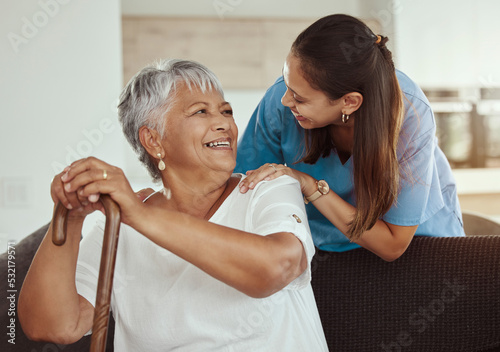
(161,164)
(345,118)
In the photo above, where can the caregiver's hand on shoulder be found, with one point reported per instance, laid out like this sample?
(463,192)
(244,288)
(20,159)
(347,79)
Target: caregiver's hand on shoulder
(83,181)
(269,172)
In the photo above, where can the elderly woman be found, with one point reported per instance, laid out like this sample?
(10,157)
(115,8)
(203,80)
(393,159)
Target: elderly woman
(200,266)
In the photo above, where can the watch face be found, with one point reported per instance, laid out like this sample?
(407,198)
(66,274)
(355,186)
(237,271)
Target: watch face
(323,187)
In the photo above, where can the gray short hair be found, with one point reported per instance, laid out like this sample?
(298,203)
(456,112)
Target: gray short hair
(149,94)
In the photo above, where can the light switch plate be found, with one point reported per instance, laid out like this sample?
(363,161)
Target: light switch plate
(16,192)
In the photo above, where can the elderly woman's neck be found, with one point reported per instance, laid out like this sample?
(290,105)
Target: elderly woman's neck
(199,197)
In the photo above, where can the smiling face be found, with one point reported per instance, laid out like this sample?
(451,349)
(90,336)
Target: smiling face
(200,133)
(311,107)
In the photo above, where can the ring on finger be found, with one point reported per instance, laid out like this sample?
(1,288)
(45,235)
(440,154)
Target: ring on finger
(274,167)
(104,174)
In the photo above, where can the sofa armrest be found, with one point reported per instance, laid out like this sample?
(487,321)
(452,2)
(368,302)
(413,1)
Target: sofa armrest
(443,294)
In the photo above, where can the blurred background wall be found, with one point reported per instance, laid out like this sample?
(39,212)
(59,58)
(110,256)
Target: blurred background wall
(64,62)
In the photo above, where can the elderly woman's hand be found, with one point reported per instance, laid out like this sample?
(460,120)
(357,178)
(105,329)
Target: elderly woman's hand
(269,172)
(81,184)
(79,207)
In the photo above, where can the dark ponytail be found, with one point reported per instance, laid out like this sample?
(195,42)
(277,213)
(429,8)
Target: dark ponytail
(339,54)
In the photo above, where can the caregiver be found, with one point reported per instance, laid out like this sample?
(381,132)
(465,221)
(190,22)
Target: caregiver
(359,136)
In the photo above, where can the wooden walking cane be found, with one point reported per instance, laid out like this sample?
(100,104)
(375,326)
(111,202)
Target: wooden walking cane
(106,270)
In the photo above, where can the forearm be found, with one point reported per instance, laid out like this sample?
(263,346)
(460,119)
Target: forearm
(255,265)
(385,240)
(49,305)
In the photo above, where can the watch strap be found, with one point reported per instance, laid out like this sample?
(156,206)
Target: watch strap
(312,197)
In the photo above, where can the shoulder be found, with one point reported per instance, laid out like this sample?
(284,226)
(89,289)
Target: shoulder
(410,89)
(281,185)
(278,84)
(419,117)
(284,189)
(276,91)
(279,182)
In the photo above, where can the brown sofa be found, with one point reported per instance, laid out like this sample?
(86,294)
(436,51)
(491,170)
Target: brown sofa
(442,295)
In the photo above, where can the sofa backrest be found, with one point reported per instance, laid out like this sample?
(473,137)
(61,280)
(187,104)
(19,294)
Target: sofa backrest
(443,294)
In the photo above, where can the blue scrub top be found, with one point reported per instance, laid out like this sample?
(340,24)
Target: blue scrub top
(428,195)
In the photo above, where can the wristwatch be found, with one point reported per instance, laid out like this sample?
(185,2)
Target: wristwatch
(323,188)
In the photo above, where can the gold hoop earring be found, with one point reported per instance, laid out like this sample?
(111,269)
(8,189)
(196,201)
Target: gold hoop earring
(161,164)
(345,118)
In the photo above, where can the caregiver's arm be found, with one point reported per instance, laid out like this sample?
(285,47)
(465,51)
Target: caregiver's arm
(386,240)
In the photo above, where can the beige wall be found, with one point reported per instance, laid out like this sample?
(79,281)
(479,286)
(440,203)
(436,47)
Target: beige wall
(243,53)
